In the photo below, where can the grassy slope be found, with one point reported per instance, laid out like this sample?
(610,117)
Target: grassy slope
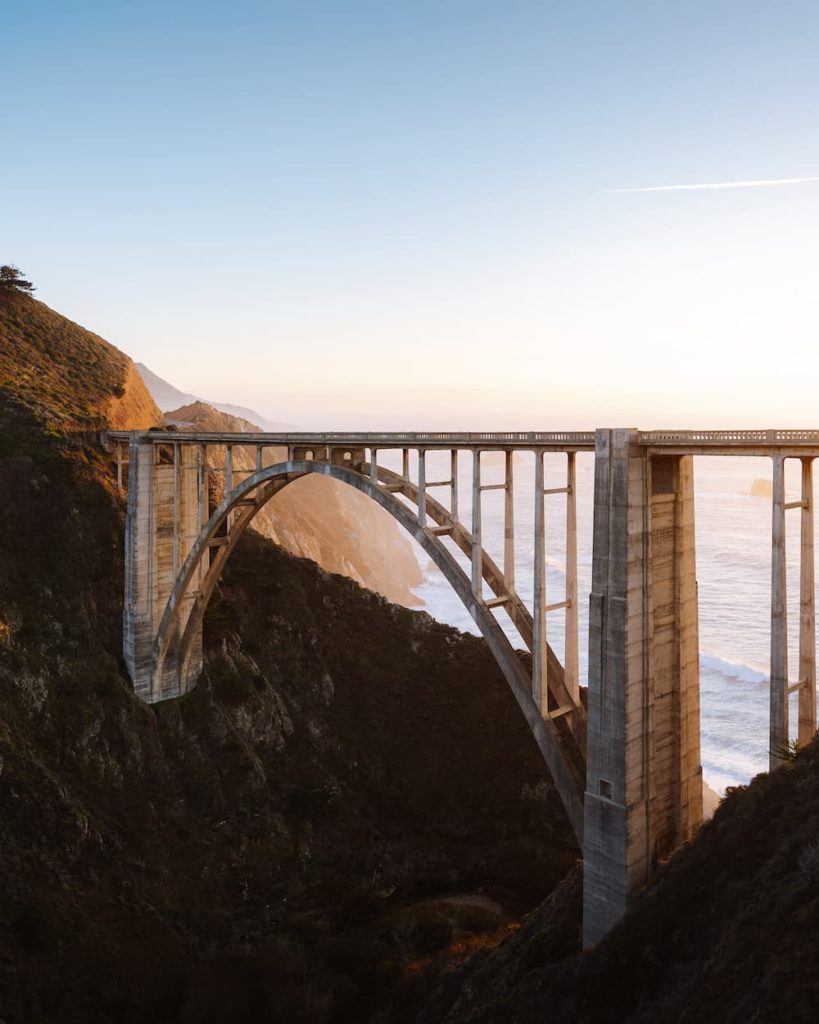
(55,374)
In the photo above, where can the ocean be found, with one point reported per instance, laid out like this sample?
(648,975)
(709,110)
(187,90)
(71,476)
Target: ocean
(733,538)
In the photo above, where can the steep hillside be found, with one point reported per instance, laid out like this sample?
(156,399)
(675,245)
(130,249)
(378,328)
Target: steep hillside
(335,525)
(728,932)
(63,378)
(350,787)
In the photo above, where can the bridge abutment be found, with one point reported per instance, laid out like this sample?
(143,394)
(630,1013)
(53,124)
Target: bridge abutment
(644,778)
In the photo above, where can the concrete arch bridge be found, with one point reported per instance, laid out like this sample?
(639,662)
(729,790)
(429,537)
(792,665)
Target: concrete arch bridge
(627,768)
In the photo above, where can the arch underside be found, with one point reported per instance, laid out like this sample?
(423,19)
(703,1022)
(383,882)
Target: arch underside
(561,740)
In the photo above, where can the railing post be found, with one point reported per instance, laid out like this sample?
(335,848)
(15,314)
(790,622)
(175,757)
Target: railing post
(571,657)
(509,526)
(807,613)
(477,541)
(540,687)
(779,621)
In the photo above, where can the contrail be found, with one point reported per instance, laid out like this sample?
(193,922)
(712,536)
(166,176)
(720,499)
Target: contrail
(761,183)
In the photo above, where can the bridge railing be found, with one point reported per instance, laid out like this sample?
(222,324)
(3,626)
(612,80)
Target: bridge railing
(767,438)
(571,438)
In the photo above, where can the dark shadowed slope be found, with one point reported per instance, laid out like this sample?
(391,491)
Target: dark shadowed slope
(729,931)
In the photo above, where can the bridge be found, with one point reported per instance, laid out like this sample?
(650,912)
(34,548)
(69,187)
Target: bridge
(626,761)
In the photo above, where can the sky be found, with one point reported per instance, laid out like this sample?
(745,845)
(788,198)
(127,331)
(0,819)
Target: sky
(448,214)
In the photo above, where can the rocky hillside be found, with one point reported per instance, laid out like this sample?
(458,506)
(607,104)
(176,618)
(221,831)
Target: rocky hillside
(338,527)
(728,932)
(349,789)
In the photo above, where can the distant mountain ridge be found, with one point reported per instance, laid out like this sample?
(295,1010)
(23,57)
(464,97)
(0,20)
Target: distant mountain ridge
(168,397)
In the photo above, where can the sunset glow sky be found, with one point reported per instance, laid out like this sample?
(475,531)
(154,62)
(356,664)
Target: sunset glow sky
(455,214)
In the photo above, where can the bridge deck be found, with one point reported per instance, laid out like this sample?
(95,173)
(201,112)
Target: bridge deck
(793,443)
(559,440)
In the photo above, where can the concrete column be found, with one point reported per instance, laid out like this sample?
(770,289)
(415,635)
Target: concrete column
(509,525)
(374,464)
(187,533)
(477,539)
(540,658)
(453,493)
(644,780)
(807,613)
(228,469)
(137,639)
(119,466)
(202,487)
(162,525)
(571,656)
(175,553)
(422,488)
(779,621)
(259,459)
(405,472)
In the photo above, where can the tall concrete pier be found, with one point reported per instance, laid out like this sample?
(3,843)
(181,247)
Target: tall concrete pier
(627,768)
(167,506)
(644,778)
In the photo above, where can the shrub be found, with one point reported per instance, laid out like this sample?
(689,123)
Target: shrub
(11,280)
(809,861)
(230,686)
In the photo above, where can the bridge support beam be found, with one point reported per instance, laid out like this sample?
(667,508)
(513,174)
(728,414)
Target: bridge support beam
(807,614)
(805,685)
(779,622)
(644,779)
(164,508)
(571,650)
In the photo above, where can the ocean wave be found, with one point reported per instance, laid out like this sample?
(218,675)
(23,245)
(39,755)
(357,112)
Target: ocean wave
(731,669)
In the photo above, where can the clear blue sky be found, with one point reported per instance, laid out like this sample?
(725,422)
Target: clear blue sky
(413,202)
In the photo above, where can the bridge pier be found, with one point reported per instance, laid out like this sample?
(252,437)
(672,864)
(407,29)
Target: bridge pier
(644,778)
(165,499)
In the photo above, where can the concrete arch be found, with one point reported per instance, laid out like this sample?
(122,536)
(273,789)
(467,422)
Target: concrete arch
(558,745)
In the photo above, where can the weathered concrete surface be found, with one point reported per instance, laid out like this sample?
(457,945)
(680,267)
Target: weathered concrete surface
(644,780)
(163,522)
